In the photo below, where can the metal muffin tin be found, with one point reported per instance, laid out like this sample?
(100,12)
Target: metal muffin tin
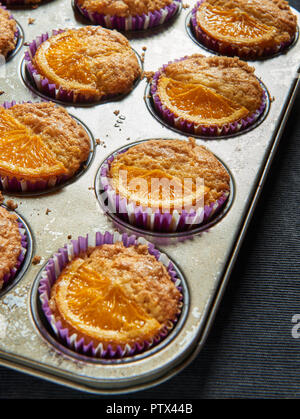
(205,259)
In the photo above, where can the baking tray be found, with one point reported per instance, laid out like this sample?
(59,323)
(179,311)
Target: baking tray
(204,260)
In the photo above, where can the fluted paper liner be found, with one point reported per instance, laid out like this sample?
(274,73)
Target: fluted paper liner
(132,23)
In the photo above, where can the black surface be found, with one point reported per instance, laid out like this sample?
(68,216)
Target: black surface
(250,352)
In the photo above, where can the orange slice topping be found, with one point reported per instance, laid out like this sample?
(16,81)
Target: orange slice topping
(155,188)
(98,307)
(232,25)
(198,103)
(22,153)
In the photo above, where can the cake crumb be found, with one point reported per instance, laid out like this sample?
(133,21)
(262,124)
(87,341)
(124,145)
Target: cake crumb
(185,6)
(69,236)
(2,92)
(11,204)
(116,112)
(47,211)
(148,75)
(36,260)
(144,48)
(31,21)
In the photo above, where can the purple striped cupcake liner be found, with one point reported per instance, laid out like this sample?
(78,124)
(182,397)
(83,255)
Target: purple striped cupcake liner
(14,271)
(132,23)
(232,50)
(150,219)
(198,129)
(59,261)
(51,90)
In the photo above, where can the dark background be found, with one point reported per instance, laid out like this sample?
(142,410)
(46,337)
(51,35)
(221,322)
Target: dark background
(250,352)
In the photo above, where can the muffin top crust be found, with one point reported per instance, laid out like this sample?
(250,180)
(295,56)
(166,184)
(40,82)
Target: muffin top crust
(248,23)
(123,8)
(115,295)
(210,90)
(40,140)
(91,61)
(10,242)
(8,29)
(177,160)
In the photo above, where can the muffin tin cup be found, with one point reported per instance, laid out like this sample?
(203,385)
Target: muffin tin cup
(14,185)
(50,90)
(132,23)
(224,48)
(59,261)
(13,272)
(183,125)
(151,219)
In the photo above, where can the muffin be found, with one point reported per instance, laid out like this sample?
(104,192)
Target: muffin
(209,96)
(13,244)
(8,32)
(41,145)
(165,185)
(83,65)
(248,29)
(128,14)
(114,299)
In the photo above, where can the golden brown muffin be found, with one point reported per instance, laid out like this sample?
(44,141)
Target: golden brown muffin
(251,26)
(176,160)
(8,29)
(39,141)
(115,295)
(123,8)
(209,91)
(91,61)
(10,242)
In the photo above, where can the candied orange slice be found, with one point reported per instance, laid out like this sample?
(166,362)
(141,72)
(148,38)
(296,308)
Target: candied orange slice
(232,25)
(198,103)
(22,153)
(155,188)
(98,307)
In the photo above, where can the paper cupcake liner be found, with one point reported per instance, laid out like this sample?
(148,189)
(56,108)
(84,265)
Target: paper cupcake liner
(15,185)
(232,50)
(65,255)
(155,220)
(198,129)
(51,90)
(132,23)
(13,272)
